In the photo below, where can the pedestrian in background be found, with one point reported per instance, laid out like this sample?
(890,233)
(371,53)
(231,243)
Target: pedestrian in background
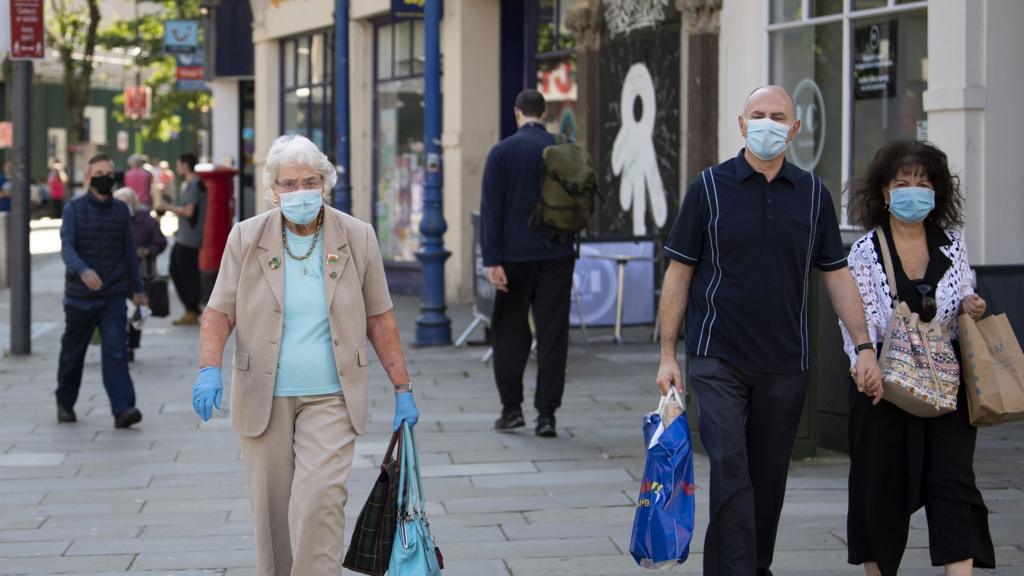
(530,268)
(102,271)
(139,179)
(57,181)
(747,235)
(149,243)
(191,211)
(900,462)
(303,288)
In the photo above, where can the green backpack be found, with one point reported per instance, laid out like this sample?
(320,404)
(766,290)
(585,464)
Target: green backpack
(567,188)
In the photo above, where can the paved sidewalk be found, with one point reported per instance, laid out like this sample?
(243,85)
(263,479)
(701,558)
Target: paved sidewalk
(168,497)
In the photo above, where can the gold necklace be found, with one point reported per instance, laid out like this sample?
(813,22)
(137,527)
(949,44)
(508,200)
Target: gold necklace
(304,257)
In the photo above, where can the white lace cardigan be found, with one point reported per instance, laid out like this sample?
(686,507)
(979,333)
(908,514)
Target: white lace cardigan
(869,274)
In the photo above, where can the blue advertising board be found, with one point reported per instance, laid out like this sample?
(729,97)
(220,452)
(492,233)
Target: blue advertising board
(407,9)
(181,36)
(595,283)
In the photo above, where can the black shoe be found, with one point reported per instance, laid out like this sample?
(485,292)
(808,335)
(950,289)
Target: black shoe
(65,415)
(129,355)
(546,426)
(509,421)
(127,418)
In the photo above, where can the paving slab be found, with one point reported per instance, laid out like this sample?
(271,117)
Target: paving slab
(169,496)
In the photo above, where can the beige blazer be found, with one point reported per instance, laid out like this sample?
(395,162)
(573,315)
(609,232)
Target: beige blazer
(250,287)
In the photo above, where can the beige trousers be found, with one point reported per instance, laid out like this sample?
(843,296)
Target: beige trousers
(297,471)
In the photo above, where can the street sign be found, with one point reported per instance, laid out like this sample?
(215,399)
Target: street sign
(122,140)
(27,38)
(137,102)
(6,134)
(181,36)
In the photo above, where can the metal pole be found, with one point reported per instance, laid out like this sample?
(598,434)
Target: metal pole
(343,187)
(433,327)
(19,259)
(138,79)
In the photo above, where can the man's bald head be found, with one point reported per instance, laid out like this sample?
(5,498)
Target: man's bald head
(770,102)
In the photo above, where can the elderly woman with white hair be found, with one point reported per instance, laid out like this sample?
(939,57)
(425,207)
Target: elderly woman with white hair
(303,287)
(149,243)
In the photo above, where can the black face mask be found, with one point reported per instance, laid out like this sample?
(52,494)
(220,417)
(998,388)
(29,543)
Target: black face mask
(102,184)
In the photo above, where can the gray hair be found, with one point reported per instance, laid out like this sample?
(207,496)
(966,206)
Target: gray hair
(136,160)
(298,151)
(127,195)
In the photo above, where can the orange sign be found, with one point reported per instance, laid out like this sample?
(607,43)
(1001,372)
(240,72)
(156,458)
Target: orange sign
(137,102)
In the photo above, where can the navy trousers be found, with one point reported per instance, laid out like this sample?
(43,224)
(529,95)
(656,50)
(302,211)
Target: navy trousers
(110,316)
(748,424)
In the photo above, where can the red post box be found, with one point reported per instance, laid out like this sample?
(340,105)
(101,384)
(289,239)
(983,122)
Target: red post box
(220,211)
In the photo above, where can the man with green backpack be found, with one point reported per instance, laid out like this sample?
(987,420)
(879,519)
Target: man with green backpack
(537,196)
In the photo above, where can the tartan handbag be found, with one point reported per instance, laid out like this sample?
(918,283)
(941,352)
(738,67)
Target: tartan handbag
(920,371)
(369,551)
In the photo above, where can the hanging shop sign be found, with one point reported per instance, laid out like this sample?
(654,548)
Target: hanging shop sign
(181,36)
(407,9)
(137,102)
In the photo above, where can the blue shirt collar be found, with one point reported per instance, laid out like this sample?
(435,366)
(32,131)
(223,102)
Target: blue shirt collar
(744,170)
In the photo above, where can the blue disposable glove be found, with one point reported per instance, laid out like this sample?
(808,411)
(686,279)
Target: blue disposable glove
(207,391)
(405,410)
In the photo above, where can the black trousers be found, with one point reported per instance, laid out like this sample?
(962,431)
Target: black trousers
(899,463)
(110,316)
(748,424)
(546,287)
(185,274)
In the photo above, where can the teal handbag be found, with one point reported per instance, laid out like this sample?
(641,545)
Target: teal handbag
(413,552)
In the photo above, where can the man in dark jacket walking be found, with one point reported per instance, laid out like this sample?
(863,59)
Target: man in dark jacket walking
(529,267)
(102,271)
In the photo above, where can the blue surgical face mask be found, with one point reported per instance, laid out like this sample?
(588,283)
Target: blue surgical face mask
(301,206)
(911,204)
(767,138)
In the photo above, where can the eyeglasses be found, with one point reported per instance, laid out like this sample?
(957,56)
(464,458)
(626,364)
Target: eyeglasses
(293,185)
(928,306)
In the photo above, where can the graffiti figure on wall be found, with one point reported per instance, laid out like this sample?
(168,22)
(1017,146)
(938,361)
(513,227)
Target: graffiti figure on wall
(634,159)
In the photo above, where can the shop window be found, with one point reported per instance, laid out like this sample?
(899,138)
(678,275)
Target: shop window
(555,57)
(848,109)
(890,75)
(307,66)
(398,141)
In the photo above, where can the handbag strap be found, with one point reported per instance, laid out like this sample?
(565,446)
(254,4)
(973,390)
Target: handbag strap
(886,256)
(389,455)
(410,493)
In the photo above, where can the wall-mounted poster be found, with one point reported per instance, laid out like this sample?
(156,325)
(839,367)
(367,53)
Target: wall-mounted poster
(639,112)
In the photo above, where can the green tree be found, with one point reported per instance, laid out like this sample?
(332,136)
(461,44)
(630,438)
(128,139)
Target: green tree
(71,30)
(143,36)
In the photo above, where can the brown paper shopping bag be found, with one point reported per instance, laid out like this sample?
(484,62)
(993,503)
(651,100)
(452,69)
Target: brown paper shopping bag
(993,367)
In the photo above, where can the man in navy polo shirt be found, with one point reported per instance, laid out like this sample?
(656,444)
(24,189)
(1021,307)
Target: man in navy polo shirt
(747,235)
(530,269)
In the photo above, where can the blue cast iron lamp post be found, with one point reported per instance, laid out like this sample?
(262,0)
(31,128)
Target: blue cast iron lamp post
(433,327)
(343,188)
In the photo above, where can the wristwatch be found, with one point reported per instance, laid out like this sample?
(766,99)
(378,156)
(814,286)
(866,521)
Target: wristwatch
(399,388)
(865,346)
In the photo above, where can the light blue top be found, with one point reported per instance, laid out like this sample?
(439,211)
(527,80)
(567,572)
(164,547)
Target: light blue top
(306,364)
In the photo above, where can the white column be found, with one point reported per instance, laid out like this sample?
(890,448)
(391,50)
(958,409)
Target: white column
(471,124)
(361,113)
(742,66)
(267,92)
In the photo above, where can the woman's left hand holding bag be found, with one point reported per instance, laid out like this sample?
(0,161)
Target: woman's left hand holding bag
(405,410)
(207,391)
(974,306)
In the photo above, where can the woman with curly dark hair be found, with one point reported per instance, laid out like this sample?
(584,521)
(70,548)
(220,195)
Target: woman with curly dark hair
(900,462)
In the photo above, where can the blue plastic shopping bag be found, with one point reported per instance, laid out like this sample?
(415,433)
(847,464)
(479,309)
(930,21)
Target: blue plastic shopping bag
(663,525)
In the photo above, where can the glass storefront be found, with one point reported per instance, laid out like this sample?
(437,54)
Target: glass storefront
(399,148)
(307,66)
(555,56)
(857,80)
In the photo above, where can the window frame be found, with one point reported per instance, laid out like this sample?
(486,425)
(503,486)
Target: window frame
(286,85)
(848,17)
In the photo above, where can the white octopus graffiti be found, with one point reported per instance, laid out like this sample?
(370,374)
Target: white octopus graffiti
(633,155)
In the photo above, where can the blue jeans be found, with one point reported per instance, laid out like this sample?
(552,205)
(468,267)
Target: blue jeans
(110,316)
